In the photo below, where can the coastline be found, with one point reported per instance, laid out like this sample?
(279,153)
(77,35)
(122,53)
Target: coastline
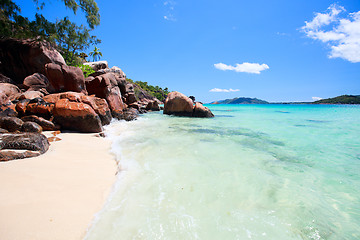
(56,195)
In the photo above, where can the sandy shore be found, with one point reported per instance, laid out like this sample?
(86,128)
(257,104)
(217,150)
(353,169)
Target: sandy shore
(55,196)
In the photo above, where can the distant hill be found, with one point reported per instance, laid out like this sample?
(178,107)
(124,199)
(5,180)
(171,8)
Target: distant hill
(241,100)
(343,99)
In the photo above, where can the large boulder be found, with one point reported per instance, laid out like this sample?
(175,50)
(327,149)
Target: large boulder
(74,79)
(56,77)
(21,58)
(99,105)
(39,107)
(76,116)
(65,78)
(36,82)
(178,104)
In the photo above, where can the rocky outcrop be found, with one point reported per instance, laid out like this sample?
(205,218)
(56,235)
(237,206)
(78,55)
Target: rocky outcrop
(21,58)
(36,143)
(106,86)
(53,95)
(180,105)
(76,116)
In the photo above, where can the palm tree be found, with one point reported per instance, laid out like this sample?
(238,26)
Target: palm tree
(96,54)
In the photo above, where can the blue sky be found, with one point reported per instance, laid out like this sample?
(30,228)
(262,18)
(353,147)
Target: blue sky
(278,51)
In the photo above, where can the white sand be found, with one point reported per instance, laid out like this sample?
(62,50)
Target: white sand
(56,195)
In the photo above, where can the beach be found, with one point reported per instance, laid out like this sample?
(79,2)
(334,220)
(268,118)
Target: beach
(56,195)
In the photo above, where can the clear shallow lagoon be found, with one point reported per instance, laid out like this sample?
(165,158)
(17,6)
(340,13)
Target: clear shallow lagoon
(252,172)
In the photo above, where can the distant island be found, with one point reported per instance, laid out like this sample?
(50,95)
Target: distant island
(343,99)
(241,100)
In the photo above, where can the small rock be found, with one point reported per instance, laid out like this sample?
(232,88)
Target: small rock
(12,124)
(202,111)
(12,155)
(45,124)
(54,139)
(25,141)
(31,127)
(130,114)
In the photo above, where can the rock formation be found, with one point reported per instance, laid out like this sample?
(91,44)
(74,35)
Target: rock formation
(38,91)
(180,105)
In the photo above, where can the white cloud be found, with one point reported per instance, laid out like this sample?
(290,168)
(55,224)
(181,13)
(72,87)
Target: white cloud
(169,8)
(342,34)
(244,67)
(223,90)
(316,98)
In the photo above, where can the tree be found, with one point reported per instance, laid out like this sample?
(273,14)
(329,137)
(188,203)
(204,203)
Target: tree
(96,54)
(89,7)
(69,38)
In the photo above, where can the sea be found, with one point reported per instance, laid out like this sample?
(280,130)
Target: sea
(270,171)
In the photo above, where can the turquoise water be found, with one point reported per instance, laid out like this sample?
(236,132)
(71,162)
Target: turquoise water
(252,172)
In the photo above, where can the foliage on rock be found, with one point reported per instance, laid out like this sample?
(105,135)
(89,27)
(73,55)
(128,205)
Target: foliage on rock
(343,99)
(154,91)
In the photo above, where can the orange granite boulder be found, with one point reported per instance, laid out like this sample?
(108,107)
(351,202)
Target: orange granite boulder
(76,116)
(180,105)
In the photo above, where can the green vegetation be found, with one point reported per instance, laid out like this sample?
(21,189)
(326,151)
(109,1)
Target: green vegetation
(69,38)
(241,100)
(156,91)
(343,99)
(86,69)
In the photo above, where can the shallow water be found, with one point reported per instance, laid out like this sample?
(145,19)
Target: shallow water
(252,172)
